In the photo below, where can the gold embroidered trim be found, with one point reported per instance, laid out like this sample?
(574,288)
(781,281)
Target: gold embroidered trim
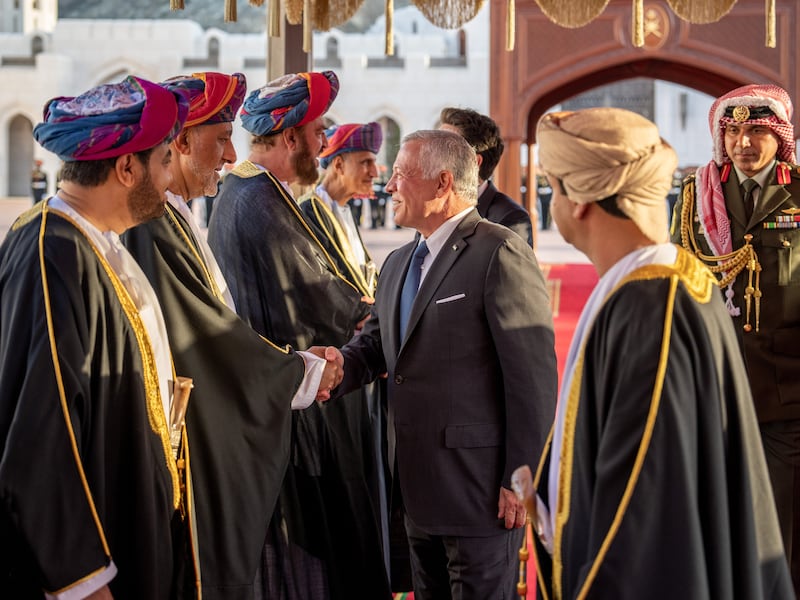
(28,216)
(699,281)
(647,435)
(155,408)
(564,492)
(193,249)
(290,202)
(536,479)
(62,395)
(211,281)
(94,573)
(700,284)
(341,248)
(185,466)
(247,169)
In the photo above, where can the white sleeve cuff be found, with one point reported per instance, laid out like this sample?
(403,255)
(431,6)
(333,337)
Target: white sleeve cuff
(87,587)
(307,392)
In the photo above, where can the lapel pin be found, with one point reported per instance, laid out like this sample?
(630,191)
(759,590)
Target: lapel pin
(455,246)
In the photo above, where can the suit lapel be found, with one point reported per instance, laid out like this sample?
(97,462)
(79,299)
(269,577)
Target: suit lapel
(444,261)
(393,288)
(486,198)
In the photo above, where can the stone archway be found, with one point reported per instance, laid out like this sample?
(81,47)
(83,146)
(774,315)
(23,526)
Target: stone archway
(20,156)
(551,63)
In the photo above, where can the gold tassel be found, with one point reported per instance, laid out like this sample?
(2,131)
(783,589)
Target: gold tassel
(176,5)
(638,23)
(274,24)
(510,25)
(770,23)
(230,11)
(389,47)
(307,21)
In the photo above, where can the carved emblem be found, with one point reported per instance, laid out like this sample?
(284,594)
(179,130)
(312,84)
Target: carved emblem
(741,114)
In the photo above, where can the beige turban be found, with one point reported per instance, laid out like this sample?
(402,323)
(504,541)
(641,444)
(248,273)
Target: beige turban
(599,152)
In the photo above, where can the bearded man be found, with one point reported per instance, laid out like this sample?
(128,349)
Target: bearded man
(324,540)
(92,501)
(244,386)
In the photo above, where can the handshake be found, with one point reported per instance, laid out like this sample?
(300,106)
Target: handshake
(333,373)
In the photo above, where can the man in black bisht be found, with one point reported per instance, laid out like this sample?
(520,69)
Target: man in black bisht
(655,481)
(324,541)
(239,423)
(91,501)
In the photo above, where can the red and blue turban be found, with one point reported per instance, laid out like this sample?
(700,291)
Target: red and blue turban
(213,97)
(111,120)
(290,101)
(353,137)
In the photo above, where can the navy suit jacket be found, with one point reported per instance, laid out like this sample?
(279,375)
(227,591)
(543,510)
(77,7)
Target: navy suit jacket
(472,387)
(497,207)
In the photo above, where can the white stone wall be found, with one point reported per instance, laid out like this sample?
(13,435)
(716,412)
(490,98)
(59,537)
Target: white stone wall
(79,54)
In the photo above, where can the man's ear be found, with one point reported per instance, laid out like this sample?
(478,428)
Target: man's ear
(290,137)
(181,143)
(579,211)
(338,163)
(444,183)
(127,169)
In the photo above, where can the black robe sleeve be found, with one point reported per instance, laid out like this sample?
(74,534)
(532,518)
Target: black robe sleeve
(238,419)
(84,477)
(663,483)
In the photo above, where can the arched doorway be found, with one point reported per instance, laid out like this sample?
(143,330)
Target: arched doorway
(20,156)
(551,64)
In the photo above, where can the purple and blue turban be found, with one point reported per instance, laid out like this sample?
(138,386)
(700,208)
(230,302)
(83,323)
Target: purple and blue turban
(111,120)
(289,101)
(352,137)
(213,97)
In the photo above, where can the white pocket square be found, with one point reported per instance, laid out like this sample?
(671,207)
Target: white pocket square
(451,298)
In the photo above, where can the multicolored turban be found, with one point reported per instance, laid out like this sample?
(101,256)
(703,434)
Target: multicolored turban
(602,152)
(753,104)
(213,97)
(353,137)
(111,120)
(289,101)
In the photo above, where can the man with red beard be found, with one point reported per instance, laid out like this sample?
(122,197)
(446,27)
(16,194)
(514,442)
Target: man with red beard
(324,539)
(238,422)
(91,501)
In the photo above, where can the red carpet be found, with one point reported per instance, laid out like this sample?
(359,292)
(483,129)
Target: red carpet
(569,286)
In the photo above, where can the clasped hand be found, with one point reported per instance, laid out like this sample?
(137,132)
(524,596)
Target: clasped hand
(333,373)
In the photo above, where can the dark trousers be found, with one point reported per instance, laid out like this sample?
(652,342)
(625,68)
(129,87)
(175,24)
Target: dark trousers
(782,450)
(464,568)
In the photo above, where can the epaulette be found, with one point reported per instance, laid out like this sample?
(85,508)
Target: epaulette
(246,169)
(786,172)
(28,216)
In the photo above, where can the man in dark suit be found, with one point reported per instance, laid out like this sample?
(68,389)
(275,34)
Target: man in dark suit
(471,371)
(483,135)
(751,239)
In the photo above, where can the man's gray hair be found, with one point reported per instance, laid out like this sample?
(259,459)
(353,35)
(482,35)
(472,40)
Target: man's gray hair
(442,150)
